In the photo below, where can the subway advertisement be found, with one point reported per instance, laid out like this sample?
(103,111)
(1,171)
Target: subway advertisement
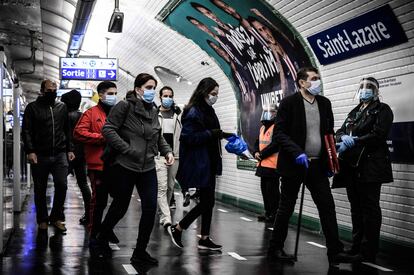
(256,48)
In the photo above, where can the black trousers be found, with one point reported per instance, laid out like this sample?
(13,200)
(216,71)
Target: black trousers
(57,165)
(79,167)
(270,193)
(318,184)
(366,217)
(147,186)
(204,208)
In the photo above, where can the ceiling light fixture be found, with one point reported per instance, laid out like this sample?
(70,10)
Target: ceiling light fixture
(117,20)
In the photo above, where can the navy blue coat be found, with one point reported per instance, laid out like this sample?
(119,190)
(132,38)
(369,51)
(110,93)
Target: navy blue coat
(194,168)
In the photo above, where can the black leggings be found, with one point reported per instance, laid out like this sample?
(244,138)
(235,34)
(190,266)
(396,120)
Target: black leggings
(204,208)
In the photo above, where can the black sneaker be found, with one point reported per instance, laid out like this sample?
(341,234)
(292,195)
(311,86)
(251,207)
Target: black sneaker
(99,249)
(166,225)
(208,244)
(142,257)
(186,201)
(112,238)
(175,236)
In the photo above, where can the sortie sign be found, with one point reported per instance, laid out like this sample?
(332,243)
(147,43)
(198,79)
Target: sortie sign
(369,32)
(88,68)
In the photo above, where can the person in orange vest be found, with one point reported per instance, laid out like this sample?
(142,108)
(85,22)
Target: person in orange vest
(266,151)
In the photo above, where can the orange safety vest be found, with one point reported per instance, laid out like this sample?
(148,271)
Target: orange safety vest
(265,138)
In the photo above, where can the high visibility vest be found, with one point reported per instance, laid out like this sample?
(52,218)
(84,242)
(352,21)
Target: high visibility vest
(265,138)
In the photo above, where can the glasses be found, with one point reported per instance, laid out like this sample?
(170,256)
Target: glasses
(165,96)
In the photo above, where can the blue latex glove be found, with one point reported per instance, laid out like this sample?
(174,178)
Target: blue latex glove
(302,159)
(348,141)
(330,174)
(342,148)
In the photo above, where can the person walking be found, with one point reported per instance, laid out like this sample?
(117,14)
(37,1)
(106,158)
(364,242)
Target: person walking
(133,132)
(72,100)
(169,117)
(47,143)
(200,160)
(89,132)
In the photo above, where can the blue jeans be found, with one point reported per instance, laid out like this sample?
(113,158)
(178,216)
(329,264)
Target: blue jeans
(57,165)
(146,184)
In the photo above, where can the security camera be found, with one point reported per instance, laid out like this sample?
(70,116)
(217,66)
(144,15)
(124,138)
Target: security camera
(117,20)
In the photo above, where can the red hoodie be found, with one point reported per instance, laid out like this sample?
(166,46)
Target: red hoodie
(89,132)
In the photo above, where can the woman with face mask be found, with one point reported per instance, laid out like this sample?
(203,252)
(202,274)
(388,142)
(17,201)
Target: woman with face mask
(133,131)
(365,165)
(200,159)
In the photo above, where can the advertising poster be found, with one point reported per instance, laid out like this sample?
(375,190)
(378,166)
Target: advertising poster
(255,47)
(398,93)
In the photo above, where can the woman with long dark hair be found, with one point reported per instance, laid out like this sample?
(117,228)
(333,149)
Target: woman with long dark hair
(133,132)
(200,159)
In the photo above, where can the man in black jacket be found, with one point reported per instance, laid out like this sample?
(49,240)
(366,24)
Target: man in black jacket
(72,100)
(301,123)
(47,142)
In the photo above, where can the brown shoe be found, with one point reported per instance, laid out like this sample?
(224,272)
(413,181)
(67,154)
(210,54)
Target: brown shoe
(60,226)
(43,226)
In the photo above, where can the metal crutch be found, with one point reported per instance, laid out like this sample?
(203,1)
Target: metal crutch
(300,218)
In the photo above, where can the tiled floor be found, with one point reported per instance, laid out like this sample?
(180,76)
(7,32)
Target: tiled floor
(53,253)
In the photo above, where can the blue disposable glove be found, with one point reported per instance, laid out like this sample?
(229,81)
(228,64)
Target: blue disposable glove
(342,148)
(302,159)
(348,141)
(330,174)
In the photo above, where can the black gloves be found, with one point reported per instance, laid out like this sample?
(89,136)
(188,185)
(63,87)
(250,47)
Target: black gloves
(218,133)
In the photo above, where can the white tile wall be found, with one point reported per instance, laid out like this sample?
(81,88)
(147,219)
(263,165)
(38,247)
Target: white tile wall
(146,43)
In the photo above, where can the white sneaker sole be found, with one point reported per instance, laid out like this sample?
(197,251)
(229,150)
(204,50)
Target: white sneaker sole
(172,238)
(208,248)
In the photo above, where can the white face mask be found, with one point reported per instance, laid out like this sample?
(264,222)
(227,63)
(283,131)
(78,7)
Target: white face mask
(211,99)
(315,87)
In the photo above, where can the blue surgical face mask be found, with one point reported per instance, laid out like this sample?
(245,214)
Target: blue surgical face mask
(366,94)
(109,100)
(167,102)
(149,96)
(315,88)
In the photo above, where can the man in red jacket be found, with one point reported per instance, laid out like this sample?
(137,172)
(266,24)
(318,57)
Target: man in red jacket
(89,131)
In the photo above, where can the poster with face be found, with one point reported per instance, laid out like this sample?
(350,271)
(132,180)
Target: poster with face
(257,49)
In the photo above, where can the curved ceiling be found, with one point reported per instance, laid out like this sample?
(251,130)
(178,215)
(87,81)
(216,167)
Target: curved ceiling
(42,26)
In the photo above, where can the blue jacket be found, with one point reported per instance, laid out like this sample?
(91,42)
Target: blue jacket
(194,168)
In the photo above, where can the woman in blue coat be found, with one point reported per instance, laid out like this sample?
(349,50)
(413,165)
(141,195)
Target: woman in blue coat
(200,159)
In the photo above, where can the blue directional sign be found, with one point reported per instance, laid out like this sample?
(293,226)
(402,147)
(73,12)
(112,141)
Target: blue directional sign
(88,68)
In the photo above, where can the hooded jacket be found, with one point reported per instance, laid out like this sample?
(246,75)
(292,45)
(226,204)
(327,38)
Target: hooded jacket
(132,129)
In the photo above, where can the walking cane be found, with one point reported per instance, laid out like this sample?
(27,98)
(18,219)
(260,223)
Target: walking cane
(300,218)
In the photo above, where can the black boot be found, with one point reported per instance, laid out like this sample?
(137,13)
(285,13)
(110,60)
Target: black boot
(142,257)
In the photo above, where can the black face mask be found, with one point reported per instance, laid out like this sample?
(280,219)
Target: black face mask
(50,97)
